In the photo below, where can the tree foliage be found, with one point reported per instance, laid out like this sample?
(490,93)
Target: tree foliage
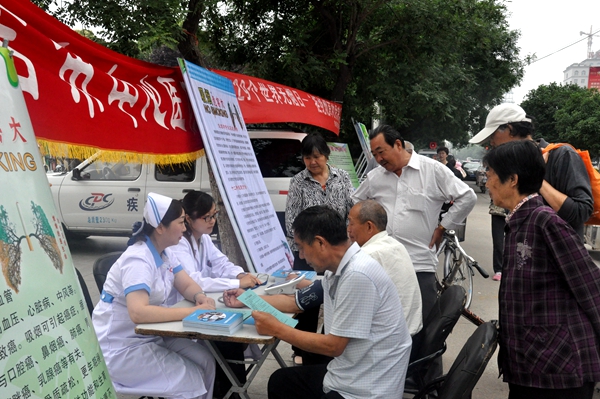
(566,113)
(432,67)
(543,102)
(578,121)
(134,27)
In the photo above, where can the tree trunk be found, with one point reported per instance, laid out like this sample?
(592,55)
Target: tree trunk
(343,79)
(188,44)
(188,47)
(229,244)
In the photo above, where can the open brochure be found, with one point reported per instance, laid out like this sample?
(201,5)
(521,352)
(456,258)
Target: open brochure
(255,302)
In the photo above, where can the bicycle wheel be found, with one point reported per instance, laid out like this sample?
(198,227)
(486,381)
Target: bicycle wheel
(462,275)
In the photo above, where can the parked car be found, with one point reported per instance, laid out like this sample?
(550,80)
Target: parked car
(106,198)
(470,168)
(428,153)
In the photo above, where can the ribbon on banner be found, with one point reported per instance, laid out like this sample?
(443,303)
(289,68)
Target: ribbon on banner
(83,97)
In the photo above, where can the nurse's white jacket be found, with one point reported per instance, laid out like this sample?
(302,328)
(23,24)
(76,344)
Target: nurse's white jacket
(208,266)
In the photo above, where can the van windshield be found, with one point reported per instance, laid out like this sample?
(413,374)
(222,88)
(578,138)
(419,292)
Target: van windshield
(278,157)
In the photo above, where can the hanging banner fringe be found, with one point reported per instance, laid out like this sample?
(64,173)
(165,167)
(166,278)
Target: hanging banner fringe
(74,151)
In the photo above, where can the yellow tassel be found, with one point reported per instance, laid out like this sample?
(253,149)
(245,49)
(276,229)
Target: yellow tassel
(82,152)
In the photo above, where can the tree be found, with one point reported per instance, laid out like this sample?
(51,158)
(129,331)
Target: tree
(434,67)
(578,121)
(130,27)
(542,104)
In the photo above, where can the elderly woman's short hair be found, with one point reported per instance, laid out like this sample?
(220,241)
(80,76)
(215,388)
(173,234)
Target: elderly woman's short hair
(522,158)
(314,142)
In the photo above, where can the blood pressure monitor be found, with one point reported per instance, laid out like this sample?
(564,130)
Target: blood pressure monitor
(285,287)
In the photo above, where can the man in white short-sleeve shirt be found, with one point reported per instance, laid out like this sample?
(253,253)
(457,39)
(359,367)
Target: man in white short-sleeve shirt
(366,226)
(365,329)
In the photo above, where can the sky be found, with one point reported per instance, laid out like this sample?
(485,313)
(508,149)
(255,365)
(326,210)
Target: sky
(546,27)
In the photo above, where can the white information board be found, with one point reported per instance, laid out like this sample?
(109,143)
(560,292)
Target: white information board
(236,170)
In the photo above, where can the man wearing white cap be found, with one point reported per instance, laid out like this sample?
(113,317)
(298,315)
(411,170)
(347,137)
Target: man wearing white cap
(566,187)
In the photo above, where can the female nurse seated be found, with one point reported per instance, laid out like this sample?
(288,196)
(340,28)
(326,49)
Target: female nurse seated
(200,258)
(136,290)
(210,268)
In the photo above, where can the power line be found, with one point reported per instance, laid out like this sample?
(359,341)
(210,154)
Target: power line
(557,51)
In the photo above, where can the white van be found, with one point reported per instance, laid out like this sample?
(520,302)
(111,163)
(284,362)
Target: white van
(106,198)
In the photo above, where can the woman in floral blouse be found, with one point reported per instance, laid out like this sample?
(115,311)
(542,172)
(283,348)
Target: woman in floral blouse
(318,184)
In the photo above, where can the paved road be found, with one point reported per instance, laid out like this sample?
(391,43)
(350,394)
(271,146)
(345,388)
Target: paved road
(485,298)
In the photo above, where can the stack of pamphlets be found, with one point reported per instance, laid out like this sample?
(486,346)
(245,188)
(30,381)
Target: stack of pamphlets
(219,322)
(281,275)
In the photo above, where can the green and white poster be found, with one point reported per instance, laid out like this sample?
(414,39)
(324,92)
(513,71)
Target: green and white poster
(48,348)
(341,158)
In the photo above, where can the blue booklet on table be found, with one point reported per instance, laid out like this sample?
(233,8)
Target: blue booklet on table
(282,275)
(221,322)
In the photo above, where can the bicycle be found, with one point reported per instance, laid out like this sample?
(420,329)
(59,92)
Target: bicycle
(458,270)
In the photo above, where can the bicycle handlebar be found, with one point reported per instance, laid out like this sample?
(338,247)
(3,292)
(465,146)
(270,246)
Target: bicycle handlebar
(450,237)
(481,270)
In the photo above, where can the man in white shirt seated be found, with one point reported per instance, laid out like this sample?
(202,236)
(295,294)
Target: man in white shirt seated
(367,221)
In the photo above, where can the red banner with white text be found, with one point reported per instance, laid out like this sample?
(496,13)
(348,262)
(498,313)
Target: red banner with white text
(594,78)
(262,101)
(82,96)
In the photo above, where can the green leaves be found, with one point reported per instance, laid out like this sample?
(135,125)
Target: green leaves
(578,121)
(433,66)
(566,113)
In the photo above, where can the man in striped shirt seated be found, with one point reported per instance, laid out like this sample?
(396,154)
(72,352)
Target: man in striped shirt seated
(365,330)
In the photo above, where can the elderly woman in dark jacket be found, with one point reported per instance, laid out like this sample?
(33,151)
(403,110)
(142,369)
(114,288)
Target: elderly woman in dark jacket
(549,297)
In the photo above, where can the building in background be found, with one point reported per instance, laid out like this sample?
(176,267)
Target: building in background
(584,74)
(587,72)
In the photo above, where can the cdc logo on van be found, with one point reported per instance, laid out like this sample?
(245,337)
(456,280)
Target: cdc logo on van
(96,202)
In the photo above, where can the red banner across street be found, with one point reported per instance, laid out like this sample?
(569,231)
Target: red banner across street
(82,94)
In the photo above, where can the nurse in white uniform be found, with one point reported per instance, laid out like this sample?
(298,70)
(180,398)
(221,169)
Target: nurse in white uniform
(135,291)
(208,266)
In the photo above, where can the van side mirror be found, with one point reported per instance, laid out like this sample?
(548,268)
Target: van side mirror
(76,174)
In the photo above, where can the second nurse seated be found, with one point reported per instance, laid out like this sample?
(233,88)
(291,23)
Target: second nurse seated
(200,258)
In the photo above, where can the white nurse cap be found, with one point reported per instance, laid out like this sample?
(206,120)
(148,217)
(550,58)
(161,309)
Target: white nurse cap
(156,208)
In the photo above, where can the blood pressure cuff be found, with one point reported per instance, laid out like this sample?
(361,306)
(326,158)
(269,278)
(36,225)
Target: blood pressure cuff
(310,297)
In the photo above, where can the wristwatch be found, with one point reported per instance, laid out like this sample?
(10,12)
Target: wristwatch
(198,293)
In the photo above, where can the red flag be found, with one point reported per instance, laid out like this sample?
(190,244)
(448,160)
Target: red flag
(84,95)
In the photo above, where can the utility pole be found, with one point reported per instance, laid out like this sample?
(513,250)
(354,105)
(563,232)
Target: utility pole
(590,53)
